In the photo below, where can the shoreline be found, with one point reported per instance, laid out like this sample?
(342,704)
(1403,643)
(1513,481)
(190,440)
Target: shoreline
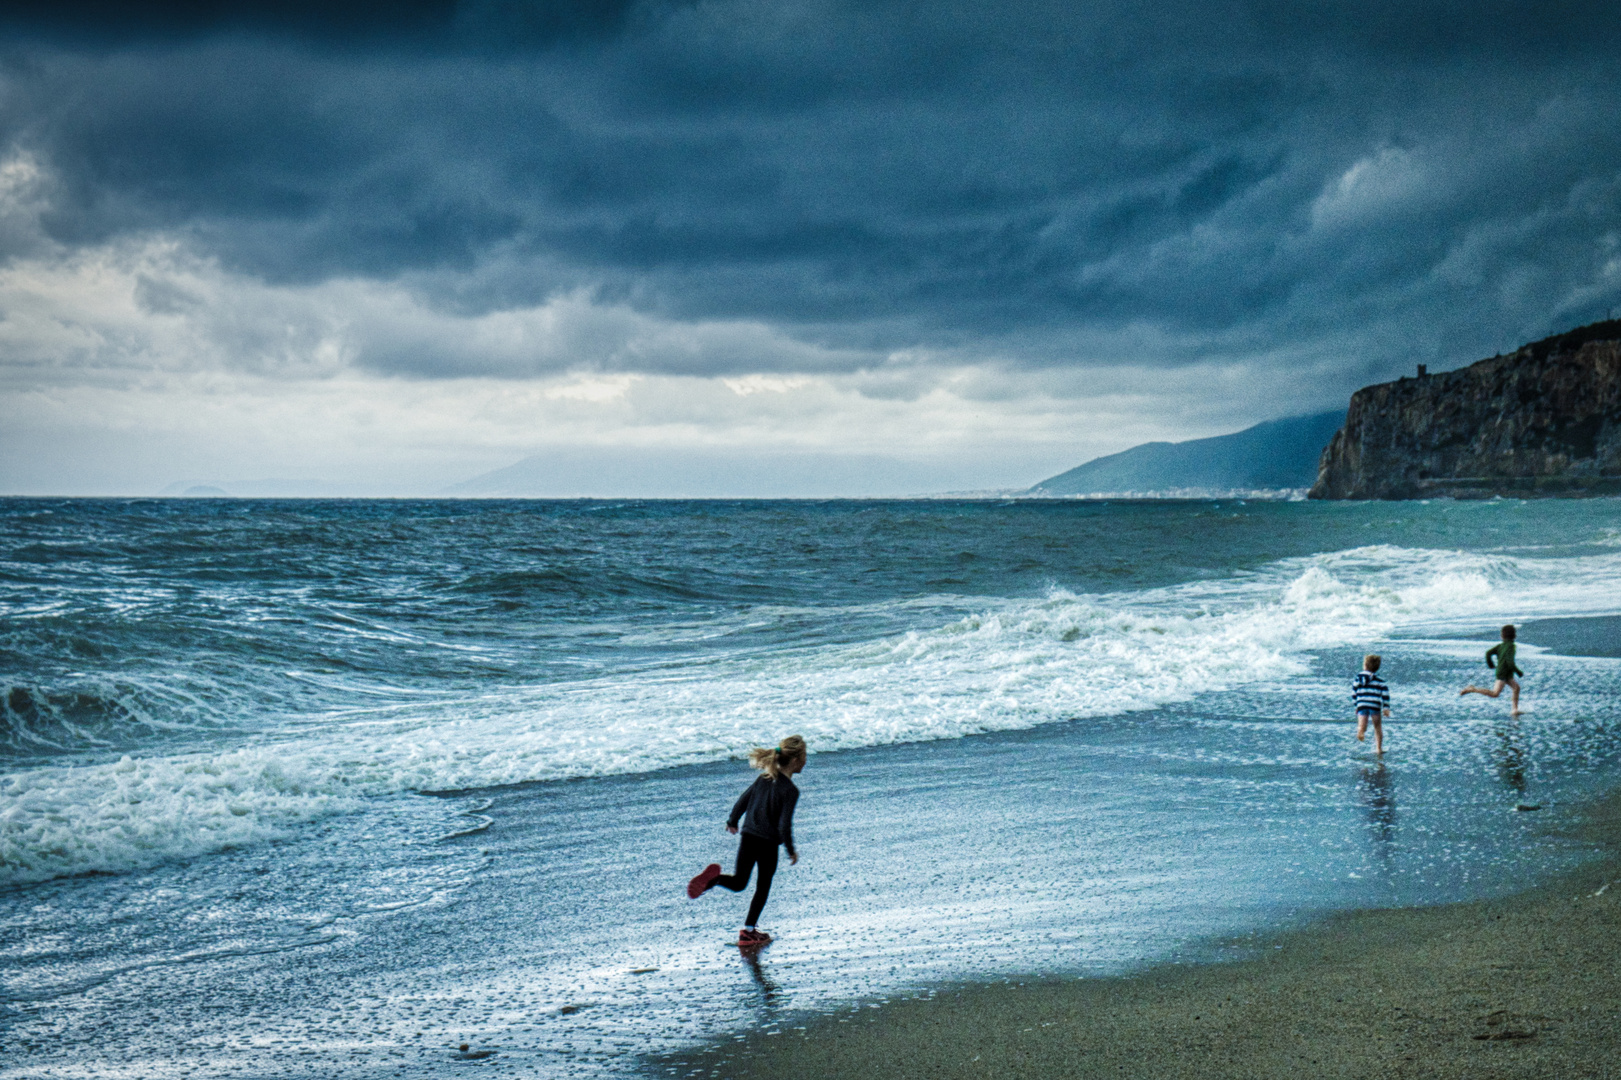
(1527,985)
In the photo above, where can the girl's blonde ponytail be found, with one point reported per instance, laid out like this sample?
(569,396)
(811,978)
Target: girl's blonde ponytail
(771,759)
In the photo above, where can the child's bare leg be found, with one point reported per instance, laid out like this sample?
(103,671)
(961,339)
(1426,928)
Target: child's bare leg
(1515,683)
(1361,726)
(1378,735)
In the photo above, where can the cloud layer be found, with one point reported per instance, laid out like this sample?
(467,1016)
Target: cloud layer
(1031,204)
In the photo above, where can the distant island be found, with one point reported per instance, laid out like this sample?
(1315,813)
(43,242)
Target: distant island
(1544,420)
(1279,456)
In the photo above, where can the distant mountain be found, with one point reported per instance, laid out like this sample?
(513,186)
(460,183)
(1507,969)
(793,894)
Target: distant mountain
(264,489)
(698,472)
(1279,454)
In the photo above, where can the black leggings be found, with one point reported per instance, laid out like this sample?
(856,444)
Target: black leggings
(752,850)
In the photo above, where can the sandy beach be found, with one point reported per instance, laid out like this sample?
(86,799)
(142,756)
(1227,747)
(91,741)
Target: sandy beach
(1525,986)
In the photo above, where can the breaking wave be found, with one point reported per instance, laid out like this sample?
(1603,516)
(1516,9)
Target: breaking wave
(1013,663)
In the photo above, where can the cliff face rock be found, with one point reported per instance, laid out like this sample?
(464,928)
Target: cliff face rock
(1543,420)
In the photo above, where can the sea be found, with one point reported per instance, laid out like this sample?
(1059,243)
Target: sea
(388,788)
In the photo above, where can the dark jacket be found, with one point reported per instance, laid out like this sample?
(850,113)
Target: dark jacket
(769,808)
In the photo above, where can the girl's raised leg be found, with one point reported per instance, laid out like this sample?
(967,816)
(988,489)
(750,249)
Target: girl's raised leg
(739,880)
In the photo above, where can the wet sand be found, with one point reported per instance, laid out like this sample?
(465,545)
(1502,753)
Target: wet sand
(1526,986)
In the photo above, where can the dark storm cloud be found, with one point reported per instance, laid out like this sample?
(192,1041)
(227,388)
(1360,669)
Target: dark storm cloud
(1031,181)
(423,23)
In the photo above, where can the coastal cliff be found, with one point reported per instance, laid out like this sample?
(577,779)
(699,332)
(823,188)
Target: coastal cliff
(1543,420)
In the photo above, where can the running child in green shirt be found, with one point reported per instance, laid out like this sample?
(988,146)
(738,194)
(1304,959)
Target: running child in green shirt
(1501,657)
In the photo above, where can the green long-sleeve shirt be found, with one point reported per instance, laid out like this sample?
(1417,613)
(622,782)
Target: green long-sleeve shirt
(1501,656)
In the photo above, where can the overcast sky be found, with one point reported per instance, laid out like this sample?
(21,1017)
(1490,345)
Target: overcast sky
(751,248)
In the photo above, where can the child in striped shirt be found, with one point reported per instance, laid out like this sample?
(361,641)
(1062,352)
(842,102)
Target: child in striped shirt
(1372,698)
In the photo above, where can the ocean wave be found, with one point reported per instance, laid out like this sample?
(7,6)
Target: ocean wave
(514,588)
(88,714)
(1013,663)
(138,812)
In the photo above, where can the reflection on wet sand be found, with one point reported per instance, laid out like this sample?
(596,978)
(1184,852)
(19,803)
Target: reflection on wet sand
(1377,793)
(1509,754)
(769,992)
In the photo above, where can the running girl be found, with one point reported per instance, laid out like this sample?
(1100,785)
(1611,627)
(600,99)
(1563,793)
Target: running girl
(1501,656)
(767,812)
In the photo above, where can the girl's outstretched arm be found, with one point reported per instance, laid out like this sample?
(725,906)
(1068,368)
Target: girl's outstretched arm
(738,807)
(785,824)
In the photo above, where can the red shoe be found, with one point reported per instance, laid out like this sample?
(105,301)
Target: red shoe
(700,884)
(752,939)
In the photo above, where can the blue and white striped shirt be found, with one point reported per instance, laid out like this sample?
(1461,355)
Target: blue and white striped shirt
(1369,692)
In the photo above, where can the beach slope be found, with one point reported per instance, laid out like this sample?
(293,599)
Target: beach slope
(1527,986)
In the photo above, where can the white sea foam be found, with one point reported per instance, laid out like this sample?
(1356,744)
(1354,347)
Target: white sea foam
(1015,663)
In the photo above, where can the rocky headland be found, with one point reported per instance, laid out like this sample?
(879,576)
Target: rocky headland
(1544,420)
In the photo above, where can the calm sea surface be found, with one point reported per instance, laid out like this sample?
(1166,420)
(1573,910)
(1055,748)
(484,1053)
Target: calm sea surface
(329,787)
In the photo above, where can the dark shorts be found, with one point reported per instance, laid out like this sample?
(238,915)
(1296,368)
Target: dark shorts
(1371,714)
